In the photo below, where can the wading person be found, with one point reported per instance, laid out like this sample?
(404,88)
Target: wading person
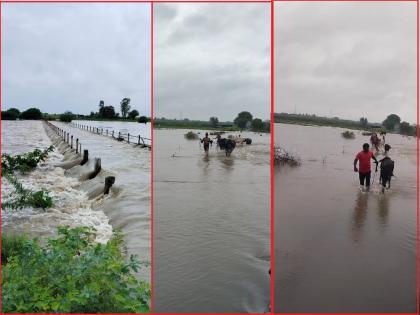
(387,169)
(206,141)
(364,170)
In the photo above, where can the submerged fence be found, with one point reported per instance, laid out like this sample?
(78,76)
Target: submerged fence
(120,136)
(69,139)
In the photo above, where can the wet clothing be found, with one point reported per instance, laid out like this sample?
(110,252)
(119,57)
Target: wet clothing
(364,161)
(364,176)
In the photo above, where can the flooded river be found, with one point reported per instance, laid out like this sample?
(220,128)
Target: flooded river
(126,208)
(338,249)
(211,225)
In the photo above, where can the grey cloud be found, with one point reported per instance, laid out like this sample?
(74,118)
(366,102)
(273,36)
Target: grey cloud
(212,60)
(69,56)
(346,59)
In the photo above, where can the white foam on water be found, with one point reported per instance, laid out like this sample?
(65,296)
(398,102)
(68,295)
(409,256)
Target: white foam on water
(71,206)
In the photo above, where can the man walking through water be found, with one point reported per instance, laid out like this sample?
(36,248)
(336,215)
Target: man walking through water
(364,165)
(206,142)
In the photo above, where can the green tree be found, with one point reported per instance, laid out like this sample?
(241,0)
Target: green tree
(242,119)
(133,114)
(406,129)
(72,274)
(214,122)
(67,116)
(391,122)
(257,124)
(108,112)
(101,107)
(125,106)
(363,122)
(10,114)
(143,120)
(15,111)
(31,114)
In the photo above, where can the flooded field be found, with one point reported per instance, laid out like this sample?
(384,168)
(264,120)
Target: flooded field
(77,202)
(211,225)
(338,249)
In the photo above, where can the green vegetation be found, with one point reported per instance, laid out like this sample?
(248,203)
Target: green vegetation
(282,157)
(71,274)
(348,134)
(125,106)
(242,121)
(67,116)
(25,197)
(24,163)
(10,114)
(143,120)
(391,124)
(191,135)
(12,245)
(31,114)
(133,114)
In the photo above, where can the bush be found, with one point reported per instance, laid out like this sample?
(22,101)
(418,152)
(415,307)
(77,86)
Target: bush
(143,120)
(133,114)
(67,117)
(73,274)
(191,135)
(282,157)
(6,115)
(12,245)
(348,135)
(23,162)
(31,114)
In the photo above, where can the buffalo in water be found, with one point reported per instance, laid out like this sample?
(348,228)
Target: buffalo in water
(226,144)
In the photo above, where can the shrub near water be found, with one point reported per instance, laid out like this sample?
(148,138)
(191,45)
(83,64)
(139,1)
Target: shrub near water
(23,163)
(348,135)
(191,135)
(72,274)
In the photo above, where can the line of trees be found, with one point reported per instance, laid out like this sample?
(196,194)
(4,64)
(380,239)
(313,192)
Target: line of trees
(392,123)
(29,114)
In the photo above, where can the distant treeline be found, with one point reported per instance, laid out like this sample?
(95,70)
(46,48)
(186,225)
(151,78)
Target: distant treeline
(243,121)
(104,113)
(392,122)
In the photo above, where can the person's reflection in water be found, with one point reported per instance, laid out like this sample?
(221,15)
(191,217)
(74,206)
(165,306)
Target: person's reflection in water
(359,215)
(206,164)
(383,210)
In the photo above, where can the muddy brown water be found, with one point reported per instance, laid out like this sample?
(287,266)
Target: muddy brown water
(211,225)
(338,249)
(126,208)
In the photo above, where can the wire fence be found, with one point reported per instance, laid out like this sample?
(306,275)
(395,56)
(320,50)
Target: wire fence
(72,141)
(120,136)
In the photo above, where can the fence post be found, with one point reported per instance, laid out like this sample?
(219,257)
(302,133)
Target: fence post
(71,145)
(112,133)
(77,145)
(128,138)
(139,140)
(85,157)
(68,137)
(109,181)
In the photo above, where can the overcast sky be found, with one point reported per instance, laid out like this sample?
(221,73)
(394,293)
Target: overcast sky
(212,60)
(346,59)
(61,57)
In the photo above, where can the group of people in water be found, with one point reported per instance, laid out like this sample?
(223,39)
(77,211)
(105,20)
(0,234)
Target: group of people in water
(364,158)
(226,144)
